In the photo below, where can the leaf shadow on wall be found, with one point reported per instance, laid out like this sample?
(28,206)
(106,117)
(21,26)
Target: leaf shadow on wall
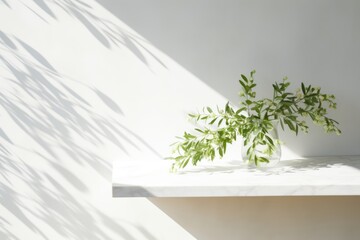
(43,106)
(104,30)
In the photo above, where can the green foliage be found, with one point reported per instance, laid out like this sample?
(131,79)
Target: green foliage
(253,121)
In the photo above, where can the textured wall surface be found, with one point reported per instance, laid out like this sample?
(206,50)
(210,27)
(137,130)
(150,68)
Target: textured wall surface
(84,83)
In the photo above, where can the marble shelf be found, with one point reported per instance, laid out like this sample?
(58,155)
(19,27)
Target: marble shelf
(316,176)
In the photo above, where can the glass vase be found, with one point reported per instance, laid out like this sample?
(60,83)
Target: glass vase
(261,151)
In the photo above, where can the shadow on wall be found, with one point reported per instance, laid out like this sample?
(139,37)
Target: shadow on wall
(42,104)
(278,218)
(314,42)
(105,31)
(217,41)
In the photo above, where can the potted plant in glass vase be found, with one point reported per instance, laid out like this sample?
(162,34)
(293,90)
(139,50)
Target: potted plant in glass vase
(256,122)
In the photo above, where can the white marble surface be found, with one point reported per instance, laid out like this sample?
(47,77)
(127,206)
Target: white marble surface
(317,176)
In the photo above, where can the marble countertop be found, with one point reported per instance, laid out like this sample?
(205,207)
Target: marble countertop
(316,176)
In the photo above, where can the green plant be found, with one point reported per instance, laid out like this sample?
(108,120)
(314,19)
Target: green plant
(253,121)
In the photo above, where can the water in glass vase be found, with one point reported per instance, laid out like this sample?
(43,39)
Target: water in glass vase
(262,151)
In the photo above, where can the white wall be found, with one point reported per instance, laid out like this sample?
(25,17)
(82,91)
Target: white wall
(315,42)
(84,83)
(268,218)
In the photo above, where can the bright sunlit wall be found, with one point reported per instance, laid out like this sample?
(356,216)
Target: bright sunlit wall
(84,83)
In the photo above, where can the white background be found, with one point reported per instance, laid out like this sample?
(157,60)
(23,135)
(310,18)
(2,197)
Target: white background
(84,83)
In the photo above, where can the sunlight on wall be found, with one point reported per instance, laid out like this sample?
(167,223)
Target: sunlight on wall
(80,89)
